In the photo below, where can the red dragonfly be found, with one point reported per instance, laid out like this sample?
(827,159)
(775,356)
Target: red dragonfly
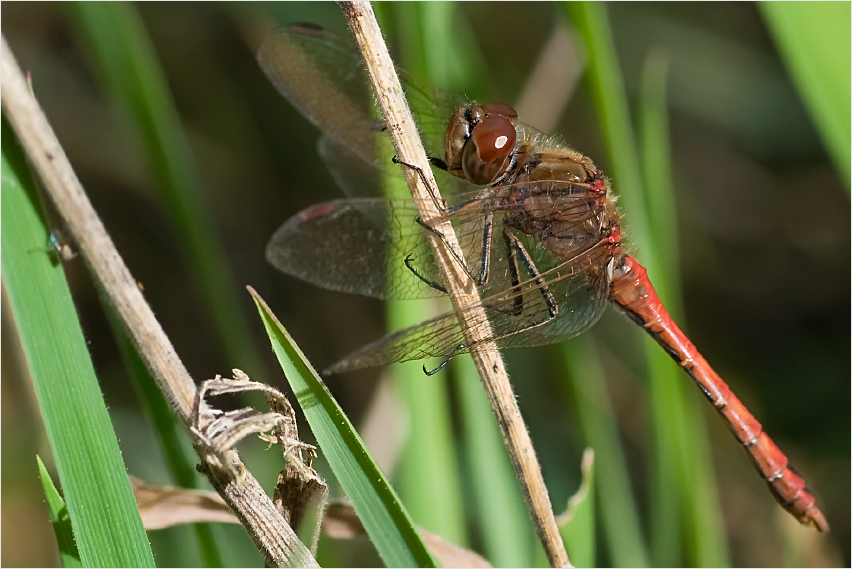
(537,223)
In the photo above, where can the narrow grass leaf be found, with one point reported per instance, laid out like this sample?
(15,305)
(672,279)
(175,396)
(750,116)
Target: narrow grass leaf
(705,535)
(384,518)
(618,511)
(428,473)
(814,40)
(502,517)
(171,435)
(678,433)
(611,103)
(127,65)
(577,524)
(103,513)
(59,519)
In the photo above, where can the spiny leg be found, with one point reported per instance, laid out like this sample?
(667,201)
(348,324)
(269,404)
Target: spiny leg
(442,207)
(429,282)
(517,249)
(485,258)
(514,275)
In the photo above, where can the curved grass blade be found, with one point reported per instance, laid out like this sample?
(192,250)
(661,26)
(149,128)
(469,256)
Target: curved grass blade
(508,538)
(618,512)
(428,473)
(127,65)
(577,524)
(814,39)
(106,522)
(680,492)
(59,519)
(384,518)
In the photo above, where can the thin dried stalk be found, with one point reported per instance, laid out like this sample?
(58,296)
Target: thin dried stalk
(461,289)
(267,527)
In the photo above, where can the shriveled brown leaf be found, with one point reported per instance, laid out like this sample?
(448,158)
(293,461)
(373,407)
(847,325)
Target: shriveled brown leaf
(341,522)
(451,555)
(166,506)
(216,432)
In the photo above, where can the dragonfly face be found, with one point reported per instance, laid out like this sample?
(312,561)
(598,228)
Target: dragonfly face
(480,142)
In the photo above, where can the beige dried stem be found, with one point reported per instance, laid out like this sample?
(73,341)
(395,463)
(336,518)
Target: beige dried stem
(461,289)
(267,527)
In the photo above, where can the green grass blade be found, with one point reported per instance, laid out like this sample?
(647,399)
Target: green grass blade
(578,530)
(171,435)
(59,519)
(611,103)
(502,517)
(428,471)
(814,40)
(431,36)
(617,506)
(106,522)
(705,535)
(387,523)
(610,97)
(656,164)
(127,65)
(679,484)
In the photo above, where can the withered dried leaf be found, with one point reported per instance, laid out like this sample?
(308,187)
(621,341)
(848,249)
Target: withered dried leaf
(166,506)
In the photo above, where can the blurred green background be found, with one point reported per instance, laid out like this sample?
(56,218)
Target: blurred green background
(763,240)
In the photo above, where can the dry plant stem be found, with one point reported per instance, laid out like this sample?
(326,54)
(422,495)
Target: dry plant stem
(263,522)
(461,289)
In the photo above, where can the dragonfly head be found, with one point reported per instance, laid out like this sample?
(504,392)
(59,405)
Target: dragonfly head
(479,142)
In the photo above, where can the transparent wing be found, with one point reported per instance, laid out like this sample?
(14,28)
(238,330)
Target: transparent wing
(521,316)
(373,246)
(323,77)
(357,245)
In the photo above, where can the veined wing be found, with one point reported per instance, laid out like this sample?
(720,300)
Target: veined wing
(571,300)
(323,77)
(356,245)
(375,247)
(371,246)
(320,76)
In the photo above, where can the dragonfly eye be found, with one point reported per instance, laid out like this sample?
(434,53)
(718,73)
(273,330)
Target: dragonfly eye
(501,109)
(488,150)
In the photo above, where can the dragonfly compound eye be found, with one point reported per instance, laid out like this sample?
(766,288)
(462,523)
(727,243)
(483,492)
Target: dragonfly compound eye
(500,109)
(488,151)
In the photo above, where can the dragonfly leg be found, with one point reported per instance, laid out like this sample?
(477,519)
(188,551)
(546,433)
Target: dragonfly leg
(429,282)
(438,163)
(440,204)
(514,275)
(486,236)
(485,258)
(458,349)
(516,249)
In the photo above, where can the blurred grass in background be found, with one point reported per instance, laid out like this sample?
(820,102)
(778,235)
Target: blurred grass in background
(762,241)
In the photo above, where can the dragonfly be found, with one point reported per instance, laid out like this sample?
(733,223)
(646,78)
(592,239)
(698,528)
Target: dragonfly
(537,224)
